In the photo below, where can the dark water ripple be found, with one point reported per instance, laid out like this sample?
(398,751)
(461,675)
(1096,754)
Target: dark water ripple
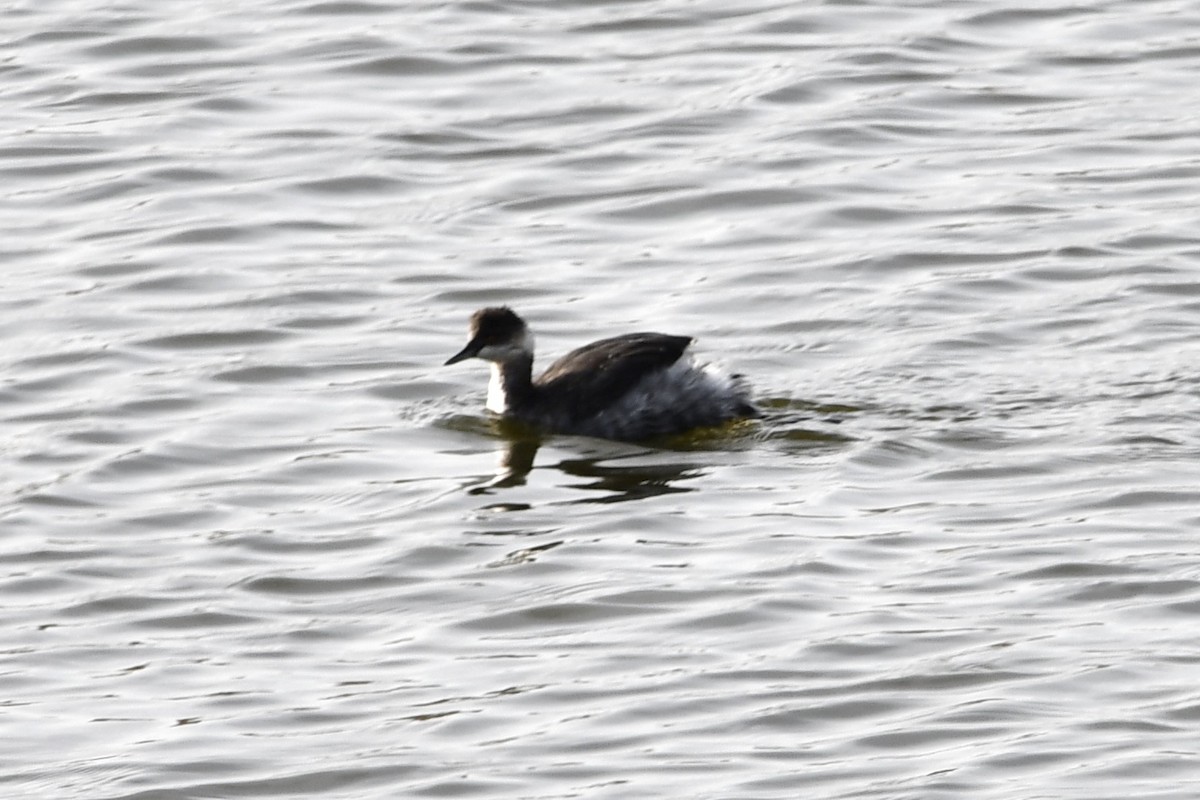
(258,543)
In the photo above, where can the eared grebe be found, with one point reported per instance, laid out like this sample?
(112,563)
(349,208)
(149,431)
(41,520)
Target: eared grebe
(628,387)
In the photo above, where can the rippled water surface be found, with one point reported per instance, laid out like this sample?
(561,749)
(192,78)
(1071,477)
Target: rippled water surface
(258,543)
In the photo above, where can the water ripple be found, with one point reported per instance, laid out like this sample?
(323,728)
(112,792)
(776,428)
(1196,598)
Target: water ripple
(951,245)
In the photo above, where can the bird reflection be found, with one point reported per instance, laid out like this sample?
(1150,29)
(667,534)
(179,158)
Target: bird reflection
(515,462)
(611,482)
(613,472)
(621,483)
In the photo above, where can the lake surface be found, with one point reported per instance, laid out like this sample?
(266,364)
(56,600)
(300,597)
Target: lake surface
(256,542)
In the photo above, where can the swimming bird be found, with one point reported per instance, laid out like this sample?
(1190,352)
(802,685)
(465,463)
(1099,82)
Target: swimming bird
(630,387)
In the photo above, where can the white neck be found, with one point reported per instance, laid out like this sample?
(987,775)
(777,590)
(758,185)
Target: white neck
(497,399)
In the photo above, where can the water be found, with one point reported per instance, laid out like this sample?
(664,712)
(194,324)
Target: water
(258,543)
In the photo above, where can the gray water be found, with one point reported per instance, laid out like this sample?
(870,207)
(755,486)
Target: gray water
(256,542)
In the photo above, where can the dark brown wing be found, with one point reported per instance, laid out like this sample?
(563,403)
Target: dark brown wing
(592,377)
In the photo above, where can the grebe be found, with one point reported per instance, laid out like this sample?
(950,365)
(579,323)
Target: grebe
(629,387)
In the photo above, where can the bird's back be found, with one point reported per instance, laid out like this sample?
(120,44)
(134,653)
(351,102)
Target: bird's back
(592,378)
(635,387)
